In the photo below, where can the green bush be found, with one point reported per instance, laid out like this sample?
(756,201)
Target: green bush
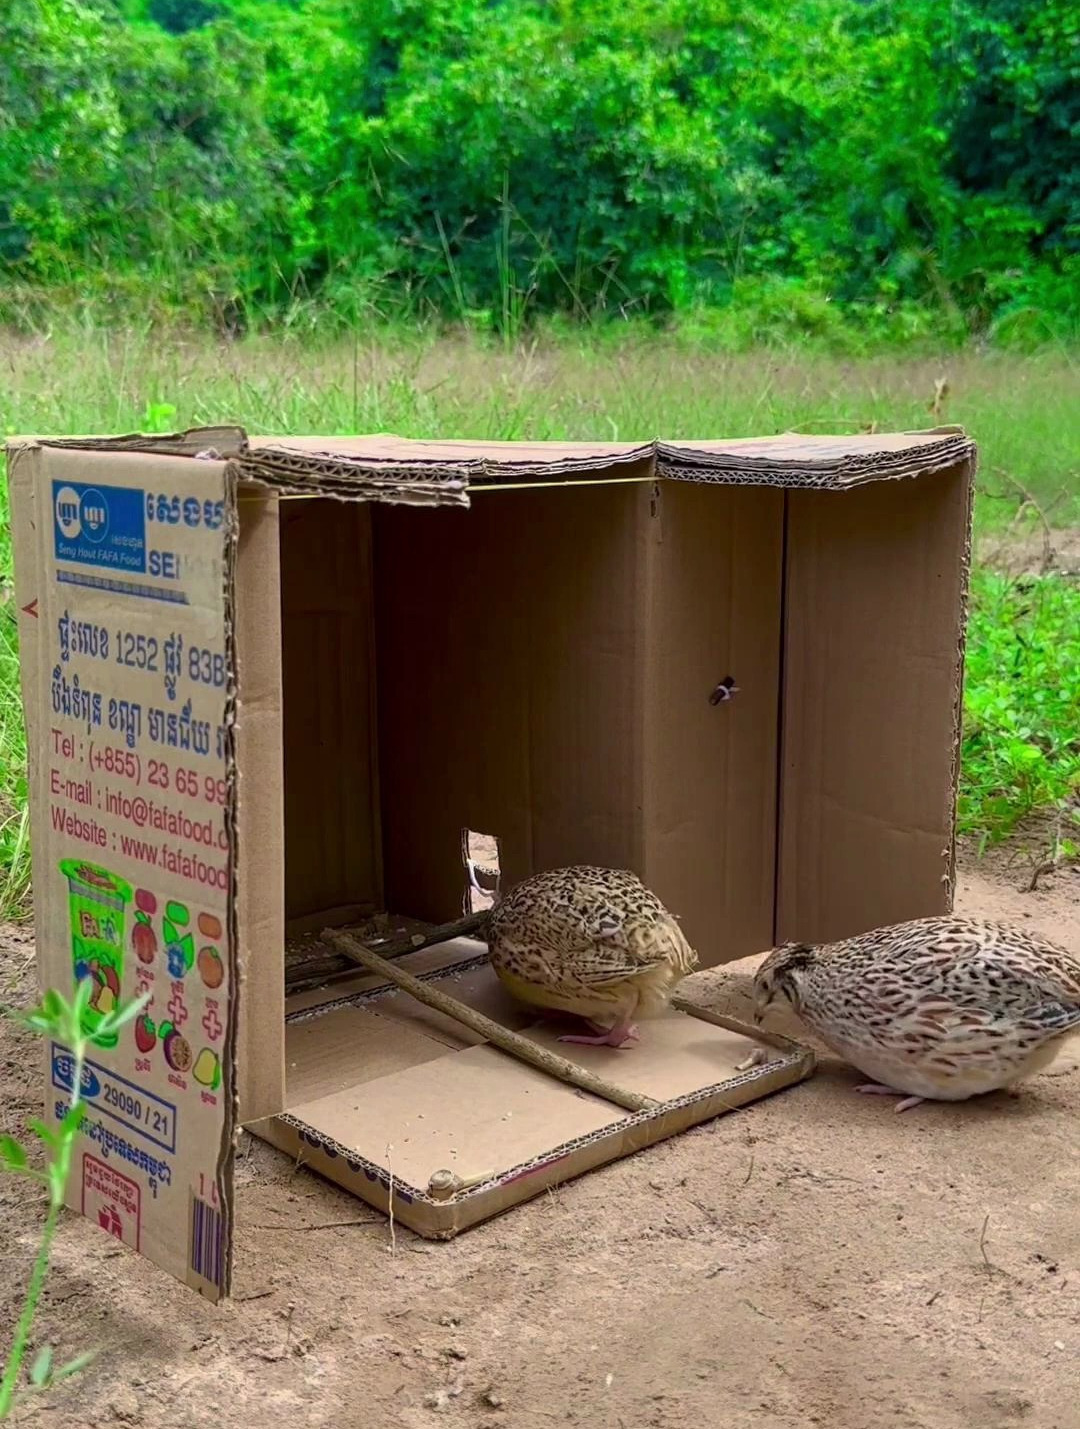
(842,161)
(1022,705)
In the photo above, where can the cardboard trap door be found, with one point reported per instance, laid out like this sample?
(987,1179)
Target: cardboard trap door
(408,1109)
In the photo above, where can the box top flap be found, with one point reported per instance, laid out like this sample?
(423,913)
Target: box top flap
(218,443)
(456,456)
(824,462)
(391,468)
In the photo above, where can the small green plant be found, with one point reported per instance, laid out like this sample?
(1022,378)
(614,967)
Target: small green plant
(55,1017)
(158,417)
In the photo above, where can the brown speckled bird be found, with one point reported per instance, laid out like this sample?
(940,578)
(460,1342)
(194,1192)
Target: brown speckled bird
(590,941)
(939,1008)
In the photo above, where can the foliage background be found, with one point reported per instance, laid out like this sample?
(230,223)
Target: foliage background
(851,169)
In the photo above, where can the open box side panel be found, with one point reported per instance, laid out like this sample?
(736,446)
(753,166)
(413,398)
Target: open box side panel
(716,562)
(123,565)
(333,867)
(510,684)
(260,906)
(875,601)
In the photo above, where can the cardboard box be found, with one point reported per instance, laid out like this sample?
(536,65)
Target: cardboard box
(268,683)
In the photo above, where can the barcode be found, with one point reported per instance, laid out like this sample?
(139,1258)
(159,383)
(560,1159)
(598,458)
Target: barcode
(207,1243)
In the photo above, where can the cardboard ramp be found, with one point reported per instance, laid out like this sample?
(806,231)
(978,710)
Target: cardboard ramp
(278,684)
(385,1096)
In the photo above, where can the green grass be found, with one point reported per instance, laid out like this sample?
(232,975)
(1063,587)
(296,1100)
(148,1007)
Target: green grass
(616,384)
(1022,707)
(14,823)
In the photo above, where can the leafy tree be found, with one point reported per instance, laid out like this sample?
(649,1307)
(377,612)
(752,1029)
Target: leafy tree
(873,158)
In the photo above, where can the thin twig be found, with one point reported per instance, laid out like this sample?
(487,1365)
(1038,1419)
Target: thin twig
(1029,500)
(1048,865)
(323,1225)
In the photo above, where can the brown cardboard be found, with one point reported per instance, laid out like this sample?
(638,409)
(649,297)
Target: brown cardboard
(732,666)
(538,700)
(384,1094)
(327,644)
(871,696)
(260,808)
(115,728)
(710,769)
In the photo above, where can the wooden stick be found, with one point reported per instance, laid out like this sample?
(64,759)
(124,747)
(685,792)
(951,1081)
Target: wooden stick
(745,1029)
(459,928)
(494,1032)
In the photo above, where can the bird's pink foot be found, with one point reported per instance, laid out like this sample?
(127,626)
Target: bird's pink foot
(620,1035)
(631,1032)
(878,1090)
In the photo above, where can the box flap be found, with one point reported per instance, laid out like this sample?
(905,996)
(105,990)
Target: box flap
(386,1084)
(349,1046)
(123,567)
(488,460)
(260,799)
(439,470)
(393,468)
(385,467)
(816,462)
(216,442)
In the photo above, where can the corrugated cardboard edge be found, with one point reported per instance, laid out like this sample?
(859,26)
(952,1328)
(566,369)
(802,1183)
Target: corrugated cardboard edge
(816,463)
(226,1164)
(393,469)
(259,832)
(948,854)
(29,655)
(410,483)
(219,442)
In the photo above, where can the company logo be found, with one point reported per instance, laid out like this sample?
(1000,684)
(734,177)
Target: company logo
(67,512)
(82,513)
(64,1071)
(94,515)
(100,526)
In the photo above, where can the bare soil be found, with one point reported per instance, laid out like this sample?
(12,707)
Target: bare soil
(812,1260)
(1036,552)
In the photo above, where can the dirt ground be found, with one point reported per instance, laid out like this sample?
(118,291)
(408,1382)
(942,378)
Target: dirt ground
(812,1260)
